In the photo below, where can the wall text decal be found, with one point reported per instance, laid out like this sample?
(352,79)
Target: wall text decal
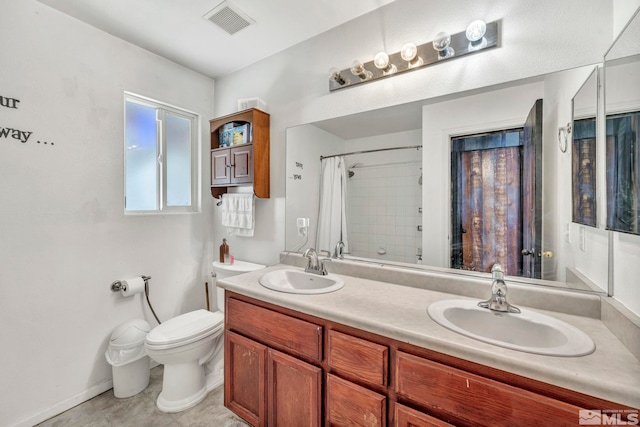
(9,102)
(17,134)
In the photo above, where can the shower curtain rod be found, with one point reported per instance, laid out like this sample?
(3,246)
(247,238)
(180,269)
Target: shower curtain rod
(417,147)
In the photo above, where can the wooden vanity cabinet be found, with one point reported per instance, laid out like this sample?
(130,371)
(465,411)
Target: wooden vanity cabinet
(242,164)
(286,368)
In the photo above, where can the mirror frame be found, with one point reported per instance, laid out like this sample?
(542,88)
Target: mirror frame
(592,155)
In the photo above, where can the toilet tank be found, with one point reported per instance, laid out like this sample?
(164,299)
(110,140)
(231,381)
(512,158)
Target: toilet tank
(222,271)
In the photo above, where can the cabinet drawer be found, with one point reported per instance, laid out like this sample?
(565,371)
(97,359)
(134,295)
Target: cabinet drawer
(350,405)
(469,399)
(407,417)
(362,359)
(275,329)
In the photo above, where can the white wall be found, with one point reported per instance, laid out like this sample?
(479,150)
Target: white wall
(63,235)
(622,11)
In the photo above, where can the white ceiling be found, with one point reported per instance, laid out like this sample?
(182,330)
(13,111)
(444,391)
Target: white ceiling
(177,30)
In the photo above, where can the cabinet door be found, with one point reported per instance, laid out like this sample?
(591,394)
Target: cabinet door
(244,378)
(220,167)
(407,417)
(349,405)
(242,161)
(294,389)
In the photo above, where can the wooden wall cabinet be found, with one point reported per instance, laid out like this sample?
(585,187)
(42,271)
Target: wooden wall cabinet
(243,164)
(286,368)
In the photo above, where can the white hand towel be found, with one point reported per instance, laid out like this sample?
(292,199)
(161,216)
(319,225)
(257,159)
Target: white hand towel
(238,213)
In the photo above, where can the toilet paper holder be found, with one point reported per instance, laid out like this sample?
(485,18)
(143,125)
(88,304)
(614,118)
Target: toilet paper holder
(117,286)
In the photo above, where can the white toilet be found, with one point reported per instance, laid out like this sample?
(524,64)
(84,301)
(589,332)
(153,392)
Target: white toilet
(190,348)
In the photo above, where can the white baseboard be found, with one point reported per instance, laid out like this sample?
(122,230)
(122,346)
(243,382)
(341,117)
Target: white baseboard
(66,404)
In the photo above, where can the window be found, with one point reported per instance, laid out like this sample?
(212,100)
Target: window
(161,154)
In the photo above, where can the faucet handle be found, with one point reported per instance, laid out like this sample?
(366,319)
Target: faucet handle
(497,272)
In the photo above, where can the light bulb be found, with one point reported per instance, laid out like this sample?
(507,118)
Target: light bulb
(441,44)
(334,74)
(357,69)
(476,30)
(381,61)
(475,34)
(409,53)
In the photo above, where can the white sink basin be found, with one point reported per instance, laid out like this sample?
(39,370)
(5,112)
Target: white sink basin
(299,282)
(528,331)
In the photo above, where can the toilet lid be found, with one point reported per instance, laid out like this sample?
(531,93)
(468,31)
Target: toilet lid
(186,328)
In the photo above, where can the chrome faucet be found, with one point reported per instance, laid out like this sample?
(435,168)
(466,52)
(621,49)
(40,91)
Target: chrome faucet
(339,251)
(314,265)
(498,301)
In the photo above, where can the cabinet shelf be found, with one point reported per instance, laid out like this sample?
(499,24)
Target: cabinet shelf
(243,164)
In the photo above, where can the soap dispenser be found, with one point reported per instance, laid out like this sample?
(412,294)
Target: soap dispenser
(224,252)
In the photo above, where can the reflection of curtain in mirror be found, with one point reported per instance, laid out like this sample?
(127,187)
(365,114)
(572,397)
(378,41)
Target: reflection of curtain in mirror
(623,173)
(584,171)
(332,216)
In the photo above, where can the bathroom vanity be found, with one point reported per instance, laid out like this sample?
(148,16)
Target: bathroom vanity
(369,355)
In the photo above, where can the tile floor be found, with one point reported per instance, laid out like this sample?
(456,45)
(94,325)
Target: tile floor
(141,410)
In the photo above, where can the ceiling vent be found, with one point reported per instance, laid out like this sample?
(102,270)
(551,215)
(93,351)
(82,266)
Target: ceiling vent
(229,18)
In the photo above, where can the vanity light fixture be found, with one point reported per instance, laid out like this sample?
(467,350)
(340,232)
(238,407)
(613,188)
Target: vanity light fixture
(381,61)
(358,70)
(477,37)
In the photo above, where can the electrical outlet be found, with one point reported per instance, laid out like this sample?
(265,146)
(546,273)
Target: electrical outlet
(303,226)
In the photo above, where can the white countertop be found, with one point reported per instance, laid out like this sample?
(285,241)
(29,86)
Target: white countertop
(611,372)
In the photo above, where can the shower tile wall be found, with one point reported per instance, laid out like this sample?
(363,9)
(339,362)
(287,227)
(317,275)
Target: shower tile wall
(382,209)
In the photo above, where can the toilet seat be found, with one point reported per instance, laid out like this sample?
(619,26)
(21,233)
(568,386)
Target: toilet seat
(185,329)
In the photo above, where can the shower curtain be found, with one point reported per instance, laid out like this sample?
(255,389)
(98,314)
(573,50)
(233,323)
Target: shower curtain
(332,215)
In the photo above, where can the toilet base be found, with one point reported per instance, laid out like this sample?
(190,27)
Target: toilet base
(185,385)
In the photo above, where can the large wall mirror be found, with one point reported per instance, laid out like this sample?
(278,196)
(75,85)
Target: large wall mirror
(399,167)
(622,146)
(622,107)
